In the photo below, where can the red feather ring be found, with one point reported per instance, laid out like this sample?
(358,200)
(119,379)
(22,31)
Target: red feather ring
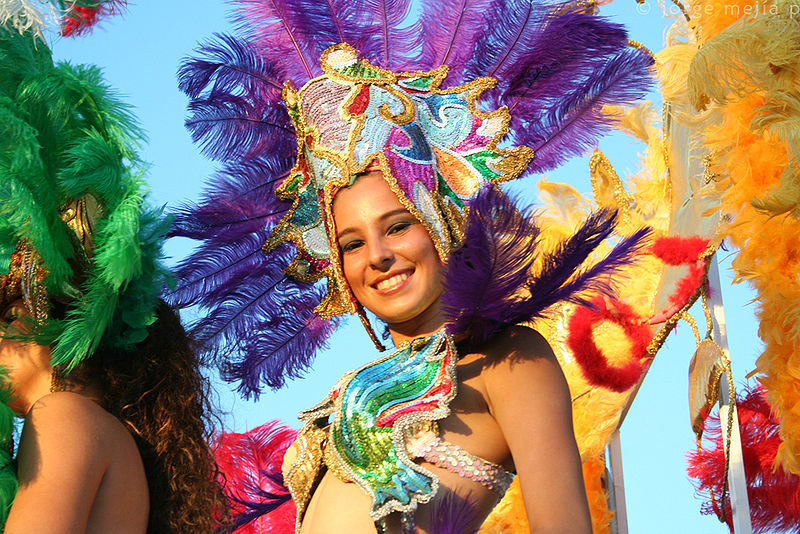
(774,494)
(594,364)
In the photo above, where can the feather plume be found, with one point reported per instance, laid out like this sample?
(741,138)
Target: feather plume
(277,31)
(214,270)
(241,202)
(398,37)
(451,29)
(250,465)
(774,494)
(234,127)
(81,15)
(282,344)
(490,283)
(575,121)
(229,65)
(507,35)
(262,328)
(28,17)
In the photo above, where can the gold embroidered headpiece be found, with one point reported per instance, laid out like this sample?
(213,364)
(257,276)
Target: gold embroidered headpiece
(434,147)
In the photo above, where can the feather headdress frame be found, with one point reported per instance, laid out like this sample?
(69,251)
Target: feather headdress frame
(549,89)
(74,224)
(433,146)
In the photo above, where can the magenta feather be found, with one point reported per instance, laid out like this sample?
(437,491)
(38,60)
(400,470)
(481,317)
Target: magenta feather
(250,465)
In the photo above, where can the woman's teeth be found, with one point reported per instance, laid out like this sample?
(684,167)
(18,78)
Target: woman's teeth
(391,282)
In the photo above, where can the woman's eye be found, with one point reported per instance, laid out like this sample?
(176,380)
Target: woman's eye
(350,245)
(399,227)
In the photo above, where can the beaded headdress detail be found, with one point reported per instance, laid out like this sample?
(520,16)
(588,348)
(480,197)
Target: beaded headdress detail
(434,147)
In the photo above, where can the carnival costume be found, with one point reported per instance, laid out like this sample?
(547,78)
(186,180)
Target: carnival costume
(442,139)
(78,242)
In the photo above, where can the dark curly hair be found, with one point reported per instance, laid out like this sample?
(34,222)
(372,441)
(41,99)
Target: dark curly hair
(158,392)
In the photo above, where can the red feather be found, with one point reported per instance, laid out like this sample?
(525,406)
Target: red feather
(595,366)
(79,18)
(245,461)
(773,493)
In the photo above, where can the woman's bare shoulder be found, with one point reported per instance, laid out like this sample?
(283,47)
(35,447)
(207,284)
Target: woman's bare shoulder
(519,362)
(74,421)
(515,345)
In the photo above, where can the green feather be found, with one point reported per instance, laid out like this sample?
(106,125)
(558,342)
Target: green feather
(8,474)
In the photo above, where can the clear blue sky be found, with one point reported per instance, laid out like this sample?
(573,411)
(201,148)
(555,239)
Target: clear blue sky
(140,52)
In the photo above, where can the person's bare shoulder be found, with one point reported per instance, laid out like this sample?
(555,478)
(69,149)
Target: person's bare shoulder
(517,345)
(520,363)
(76,424)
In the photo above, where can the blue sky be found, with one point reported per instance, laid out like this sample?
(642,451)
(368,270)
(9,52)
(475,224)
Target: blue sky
(140,52)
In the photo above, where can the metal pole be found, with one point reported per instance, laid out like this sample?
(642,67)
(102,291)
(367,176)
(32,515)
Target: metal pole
(618,485)
(737,484)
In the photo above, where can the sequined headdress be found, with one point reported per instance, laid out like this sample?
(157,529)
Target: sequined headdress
(434,147)
(443,98)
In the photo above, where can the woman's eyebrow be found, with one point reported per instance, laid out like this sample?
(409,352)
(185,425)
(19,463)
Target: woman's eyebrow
(383,217)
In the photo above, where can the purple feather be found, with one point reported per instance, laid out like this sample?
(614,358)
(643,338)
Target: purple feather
(264,501)
(230,217)
(510,32)
(451,29)
(214,270)
(490,283)
(567,49)
(230,65)
(454,514)
(231,127)
(282,344)
(398,39)
(277,33)
(260,327)
(574,121)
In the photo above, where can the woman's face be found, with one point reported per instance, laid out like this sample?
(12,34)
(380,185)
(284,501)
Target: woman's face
(26,365)
(388,257)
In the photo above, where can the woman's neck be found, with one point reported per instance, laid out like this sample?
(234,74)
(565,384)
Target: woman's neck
(426,323)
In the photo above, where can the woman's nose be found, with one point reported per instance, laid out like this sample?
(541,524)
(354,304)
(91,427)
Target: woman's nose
(381,256)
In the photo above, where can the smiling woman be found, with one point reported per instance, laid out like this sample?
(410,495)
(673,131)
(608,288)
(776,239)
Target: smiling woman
(389,205)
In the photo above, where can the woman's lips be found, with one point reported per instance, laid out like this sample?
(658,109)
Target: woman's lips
(393,284)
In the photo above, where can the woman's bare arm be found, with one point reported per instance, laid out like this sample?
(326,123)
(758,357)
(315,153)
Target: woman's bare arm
(529,398)
(62,461)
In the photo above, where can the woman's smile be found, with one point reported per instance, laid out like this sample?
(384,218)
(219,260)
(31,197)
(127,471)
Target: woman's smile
(393,282)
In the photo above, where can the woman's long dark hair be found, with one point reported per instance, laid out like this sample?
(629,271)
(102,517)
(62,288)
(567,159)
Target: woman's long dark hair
(158,392)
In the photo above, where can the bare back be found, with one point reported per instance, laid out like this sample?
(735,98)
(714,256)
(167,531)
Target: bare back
(79,465)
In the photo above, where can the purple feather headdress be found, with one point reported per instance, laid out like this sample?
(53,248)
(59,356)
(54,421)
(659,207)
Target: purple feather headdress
(556,66)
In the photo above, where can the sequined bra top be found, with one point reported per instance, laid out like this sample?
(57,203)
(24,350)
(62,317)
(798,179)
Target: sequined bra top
(384,416)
